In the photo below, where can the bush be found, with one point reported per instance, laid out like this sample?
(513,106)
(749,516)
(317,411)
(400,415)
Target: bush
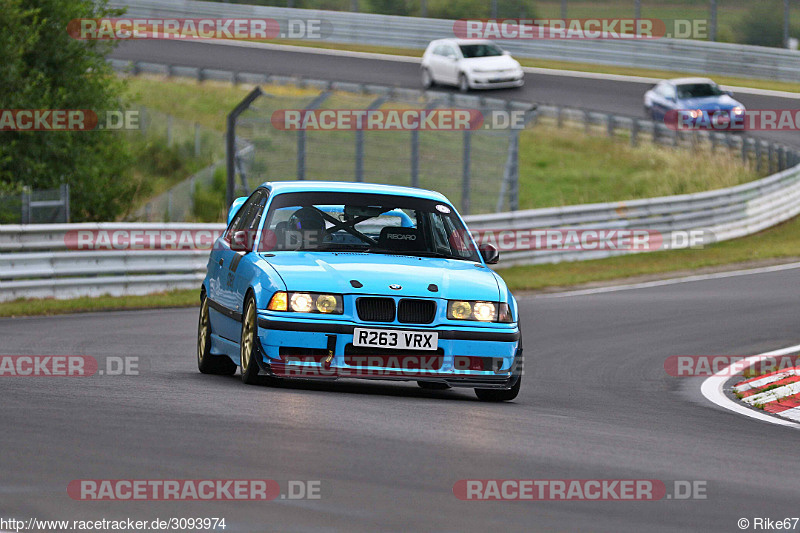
(45,68)
(762,24)
(209,202)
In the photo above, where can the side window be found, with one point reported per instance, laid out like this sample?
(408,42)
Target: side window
(249,214)
(450,51)
(669,91)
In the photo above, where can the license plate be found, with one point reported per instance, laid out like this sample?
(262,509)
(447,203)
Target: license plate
(396,339)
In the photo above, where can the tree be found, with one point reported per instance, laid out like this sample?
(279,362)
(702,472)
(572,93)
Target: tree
(45,68)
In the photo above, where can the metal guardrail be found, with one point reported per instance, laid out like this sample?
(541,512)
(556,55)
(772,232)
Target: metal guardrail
(411,32)
(41,266)
(35,260)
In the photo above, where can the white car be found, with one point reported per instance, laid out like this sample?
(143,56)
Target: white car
(469,64)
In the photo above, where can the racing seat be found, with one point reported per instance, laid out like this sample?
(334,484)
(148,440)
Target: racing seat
(398,239)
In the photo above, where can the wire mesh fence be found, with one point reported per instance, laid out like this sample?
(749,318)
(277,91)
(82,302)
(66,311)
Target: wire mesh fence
(469,166)
(37,206)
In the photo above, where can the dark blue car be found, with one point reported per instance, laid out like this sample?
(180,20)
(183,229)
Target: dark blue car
(694,102)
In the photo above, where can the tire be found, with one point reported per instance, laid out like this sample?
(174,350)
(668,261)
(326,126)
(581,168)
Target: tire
(463,83)
(499,395)
(207,362)
(433,385)
(248,343)
(427,79)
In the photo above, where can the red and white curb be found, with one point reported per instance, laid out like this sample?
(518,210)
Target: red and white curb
(783,400)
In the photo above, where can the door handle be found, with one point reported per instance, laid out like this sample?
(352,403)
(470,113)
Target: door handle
(220,262)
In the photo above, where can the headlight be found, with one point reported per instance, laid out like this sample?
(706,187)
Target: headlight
(737,110)
(306,302)
(480,311)
(301,302)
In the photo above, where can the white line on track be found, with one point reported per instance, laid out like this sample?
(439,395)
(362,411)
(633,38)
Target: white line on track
(712,388)
(530,70)
(673,281)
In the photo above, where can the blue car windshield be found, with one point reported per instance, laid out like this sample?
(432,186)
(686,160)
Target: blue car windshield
(698,90)
(365,222)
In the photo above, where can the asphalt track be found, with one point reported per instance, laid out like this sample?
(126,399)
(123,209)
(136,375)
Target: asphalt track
(596,403)
(611,96)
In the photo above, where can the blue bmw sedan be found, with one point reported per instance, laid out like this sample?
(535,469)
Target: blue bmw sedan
(699,100)
(329,280)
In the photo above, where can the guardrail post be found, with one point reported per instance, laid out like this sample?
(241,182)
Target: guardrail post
(634,131)
(713,138)
(196,139)
(587,121)
(758,155)
(559,117)
(610,124)
(65,199)
(415,157)
(26,206)
(169,130)
(465,172)
(781,158)
(771,158)
(744,149)
(513,190)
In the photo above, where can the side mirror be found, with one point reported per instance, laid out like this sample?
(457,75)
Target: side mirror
(506,53)
(489,254)
(235,208)
(729,93)
(451,57)
(241,242)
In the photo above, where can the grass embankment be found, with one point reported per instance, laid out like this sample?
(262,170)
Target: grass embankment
(557,167)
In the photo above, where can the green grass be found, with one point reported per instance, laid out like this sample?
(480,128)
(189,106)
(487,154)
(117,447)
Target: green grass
(557,166)
(566,166)
(781,242)
(49,306)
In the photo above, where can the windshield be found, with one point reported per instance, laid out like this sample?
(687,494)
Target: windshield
(698,90)
(480,50)
(368,223)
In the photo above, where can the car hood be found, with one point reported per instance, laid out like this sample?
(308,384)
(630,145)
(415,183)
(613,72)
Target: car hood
(491,63)
(709,103)
(333,271)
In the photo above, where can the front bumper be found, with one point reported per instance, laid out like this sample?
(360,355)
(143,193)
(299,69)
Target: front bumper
(484,357)
(496,80)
